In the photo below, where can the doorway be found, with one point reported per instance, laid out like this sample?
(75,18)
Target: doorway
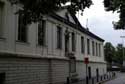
(97,74)
(89,72)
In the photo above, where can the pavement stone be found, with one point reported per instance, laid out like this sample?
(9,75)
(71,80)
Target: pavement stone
(120,79)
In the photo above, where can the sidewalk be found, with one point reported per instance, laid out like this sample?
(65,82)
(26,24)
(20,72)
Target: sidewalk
(120,79)
(94,80)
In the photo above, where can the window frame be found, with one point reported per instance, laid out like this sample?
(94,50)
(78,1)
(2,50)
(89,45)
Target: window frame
(22,30)
(59,37)
(93,48)
(73,42)
(67,36)
(82,45)
(41,32)
(88,46)
(96,49)
(99,50)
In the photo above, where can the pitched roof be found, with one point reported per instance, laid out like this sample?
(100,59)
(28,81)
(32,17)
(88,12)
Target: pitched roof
(77,26)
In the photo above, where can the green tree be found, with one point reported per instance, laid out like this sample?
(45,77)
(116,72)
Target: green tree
(33,10)
(119,54)
(109,52)
(118,6)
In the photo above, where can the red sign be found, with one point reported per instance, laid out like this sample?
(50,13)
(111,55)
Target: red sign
(86,60)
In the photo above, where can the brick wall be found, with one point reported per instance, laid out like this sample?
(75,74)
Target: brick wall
(60,70)
(42,71)
(25,71)
(34,71)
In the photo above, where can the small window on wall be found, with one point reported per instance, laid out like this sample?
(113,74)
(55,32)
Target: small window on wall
(67,35)
(88,46)
(96,49)
(82,45)
(93,48)
(100,50)
(1,18)
(41,32)
(59,37)
(73,42)
(22,29)
(72,65)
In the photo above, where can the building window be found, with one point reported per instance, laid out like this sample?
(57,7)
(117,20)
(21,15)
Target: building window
(88,46)
(22,29)
(73,42)
(82,45)
(59,37)
(67,36)
(41,32)
(1,18)
(93,48)
(99,50)
(72,65)
(96,49)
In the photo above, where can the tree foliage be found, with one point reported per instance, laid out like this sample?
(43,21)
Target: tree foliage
(109,52)
(33,10)
(114,54)
(119,54)
(119,6)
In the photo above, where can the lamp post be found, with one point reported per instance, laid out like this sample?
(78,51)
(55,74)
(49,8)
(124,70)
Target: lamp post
(122,49)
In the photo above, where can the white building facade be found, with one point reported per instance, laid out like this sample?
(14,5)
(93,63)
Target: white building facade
(48,51)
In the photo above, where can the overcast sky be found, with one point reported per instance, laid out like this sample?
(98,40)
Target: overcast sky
(100,22)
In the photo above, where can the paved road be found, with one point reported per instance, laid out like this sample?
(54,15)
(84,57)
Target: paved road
(120,79)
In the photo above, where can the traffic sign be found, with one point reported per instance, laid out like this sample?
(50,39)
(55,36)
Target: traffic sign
(86,60)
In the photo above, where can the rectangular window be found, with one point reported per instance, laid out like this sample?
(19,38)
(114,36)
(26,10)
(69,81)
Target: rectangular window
(82,45)
(99,50)
(96,49)
(1,19)
(93,48)
(73,42)
(59,37)
(41,32)
(66,42)
(88,46)
(22,29)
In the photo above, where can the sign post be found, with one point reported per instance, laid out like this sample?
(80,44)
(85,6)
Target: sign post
(86,61)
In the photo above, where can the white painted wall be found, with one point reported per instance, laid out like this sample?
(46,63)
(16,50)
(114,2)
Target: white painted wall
(81,69)
(10,43)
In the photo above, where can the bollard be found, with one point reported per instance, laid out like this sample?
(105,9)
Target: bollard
(101,78)
(104,76)
(93,80)
(2,78)
(87,80)
(68,80)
